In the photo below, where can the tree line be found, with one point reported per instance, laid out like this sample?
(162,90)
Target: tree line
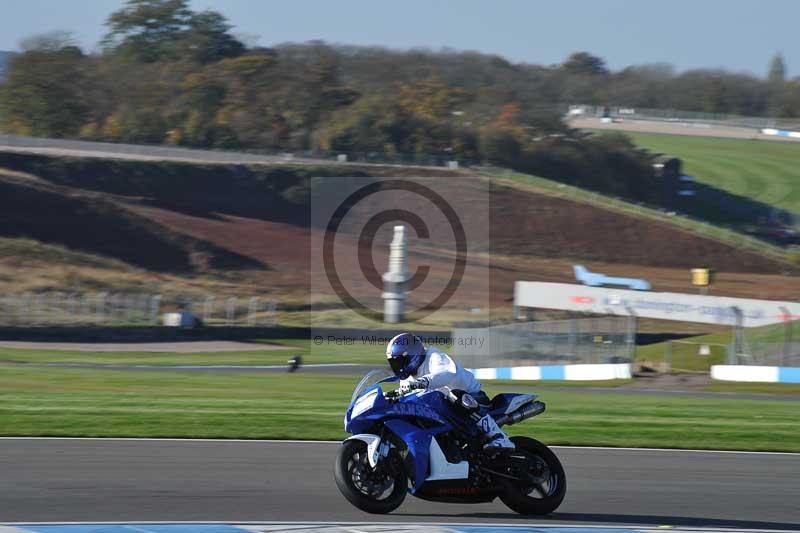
(168,74)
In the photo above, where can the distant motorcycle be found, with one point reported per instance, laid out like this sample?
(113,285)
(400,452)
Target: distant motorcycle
(430,440)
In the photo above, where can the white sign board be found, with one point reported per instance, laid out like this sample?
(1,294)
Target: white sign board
(659,305)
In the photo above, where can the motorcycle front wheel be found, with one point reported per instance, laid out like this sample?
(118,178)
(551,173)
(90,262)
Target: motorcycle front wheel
(542,484)
(377,491)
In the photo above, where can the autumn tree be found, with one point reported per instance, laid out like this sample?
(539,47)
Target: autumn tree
(208,39)
(777,70)
(776,81)
(585,64)
(155,30)
(429,99)
(44,92)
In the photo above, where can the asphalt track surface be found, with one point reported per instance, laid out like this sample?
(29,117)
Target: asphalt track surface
(353,369)
(678,127)
(151,347)
(174,480)
(138,152)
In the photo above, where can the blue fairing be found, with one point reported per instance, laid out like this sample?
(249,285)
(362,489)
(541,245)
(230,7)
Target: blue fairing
(402,418)
(418,441)
(426,406)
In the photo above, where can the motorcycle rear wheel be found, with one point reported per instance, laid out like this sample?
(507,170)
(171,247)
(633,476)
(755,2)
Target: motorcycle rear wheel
(370,491)
(547,480)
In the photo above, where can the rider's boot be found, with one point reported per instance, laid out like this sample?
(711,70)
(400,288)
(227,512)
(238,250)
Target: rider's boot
(498,440)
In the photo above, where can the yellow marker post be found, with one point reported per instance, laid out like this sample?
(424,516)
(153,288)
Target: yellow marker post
(701,277)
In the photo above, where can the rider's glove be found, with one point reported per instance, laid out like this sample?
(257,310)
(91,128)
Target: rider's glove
(413,384)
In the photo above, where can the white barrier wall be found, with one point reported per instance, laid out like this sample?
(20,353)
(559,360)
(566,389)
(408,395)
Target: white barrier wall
(646,304)
(761,374)
(557,372)
(597,372)
(781,133)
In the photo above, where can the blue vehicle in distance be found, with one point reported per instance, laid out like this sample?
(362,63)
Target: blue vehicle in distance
(595,279)
(427,444)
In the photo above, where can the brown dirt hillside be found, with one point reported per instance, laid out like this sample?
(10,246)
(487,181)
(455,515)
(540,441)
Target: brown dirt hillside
(287,249)
(99,224)
(162,216)
(546,248)
(544,226)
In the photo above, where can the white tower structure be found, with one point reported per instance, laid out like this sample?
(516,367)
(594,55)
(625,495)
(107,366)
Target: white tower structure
(394,282)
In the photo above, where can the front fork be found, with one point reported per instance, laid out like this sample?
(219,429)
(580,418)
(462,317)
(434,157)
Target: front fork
(378,449)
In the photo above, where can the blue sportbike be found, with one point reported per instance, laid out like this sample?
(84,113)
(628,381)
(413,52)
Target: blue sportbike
(427,444)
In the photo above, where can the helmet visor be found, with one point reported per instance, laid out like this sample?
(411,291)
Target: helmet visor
(398,363)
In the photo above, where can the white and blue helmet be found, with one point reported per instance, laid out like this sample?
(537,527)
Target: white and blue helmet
(405,353)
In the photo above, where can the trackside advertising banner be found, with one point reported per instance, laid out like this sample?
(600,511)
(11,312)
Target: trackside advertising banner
(660,305)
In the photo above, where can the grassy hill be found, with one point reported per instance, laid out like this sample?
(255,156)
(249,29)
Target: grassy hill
(245,229)
(728,236)
(767,172)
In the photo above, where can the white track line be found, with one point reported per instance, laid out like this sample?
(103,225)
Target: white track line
(535,525)
(290,441)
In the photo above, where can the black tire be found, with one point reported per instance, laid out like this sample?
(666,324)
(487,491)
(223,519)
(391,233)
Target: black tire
(342,473)
(518,497)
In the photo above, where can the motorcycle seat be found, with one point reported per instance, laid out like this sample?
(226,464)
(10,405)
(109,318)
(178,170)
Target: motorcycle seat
(507,403)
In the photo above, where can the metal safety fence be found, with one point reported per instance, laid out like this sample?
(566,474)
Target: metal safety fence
(573,341)
(129,309)
(775,345)
(769,354)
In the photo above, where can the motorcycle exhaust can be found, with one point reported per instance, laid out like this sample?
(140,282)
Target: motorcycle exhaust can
(523,413)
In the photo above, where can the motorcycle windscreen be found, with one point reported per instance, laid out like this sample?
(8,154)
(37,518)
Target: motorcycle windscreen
(371,378)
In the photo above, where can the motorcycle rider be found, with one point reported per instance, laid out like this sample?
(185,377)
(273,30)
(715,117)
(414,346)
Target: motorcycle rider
(427,368)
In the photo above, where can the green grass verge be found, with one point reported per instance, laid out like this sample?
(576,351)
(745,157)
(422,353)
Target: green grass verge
(766,171)
(725,387)
(104,403)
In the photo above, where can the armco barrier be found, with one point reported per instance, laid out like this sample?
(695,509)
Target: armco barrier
(557,372)
(762,374)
